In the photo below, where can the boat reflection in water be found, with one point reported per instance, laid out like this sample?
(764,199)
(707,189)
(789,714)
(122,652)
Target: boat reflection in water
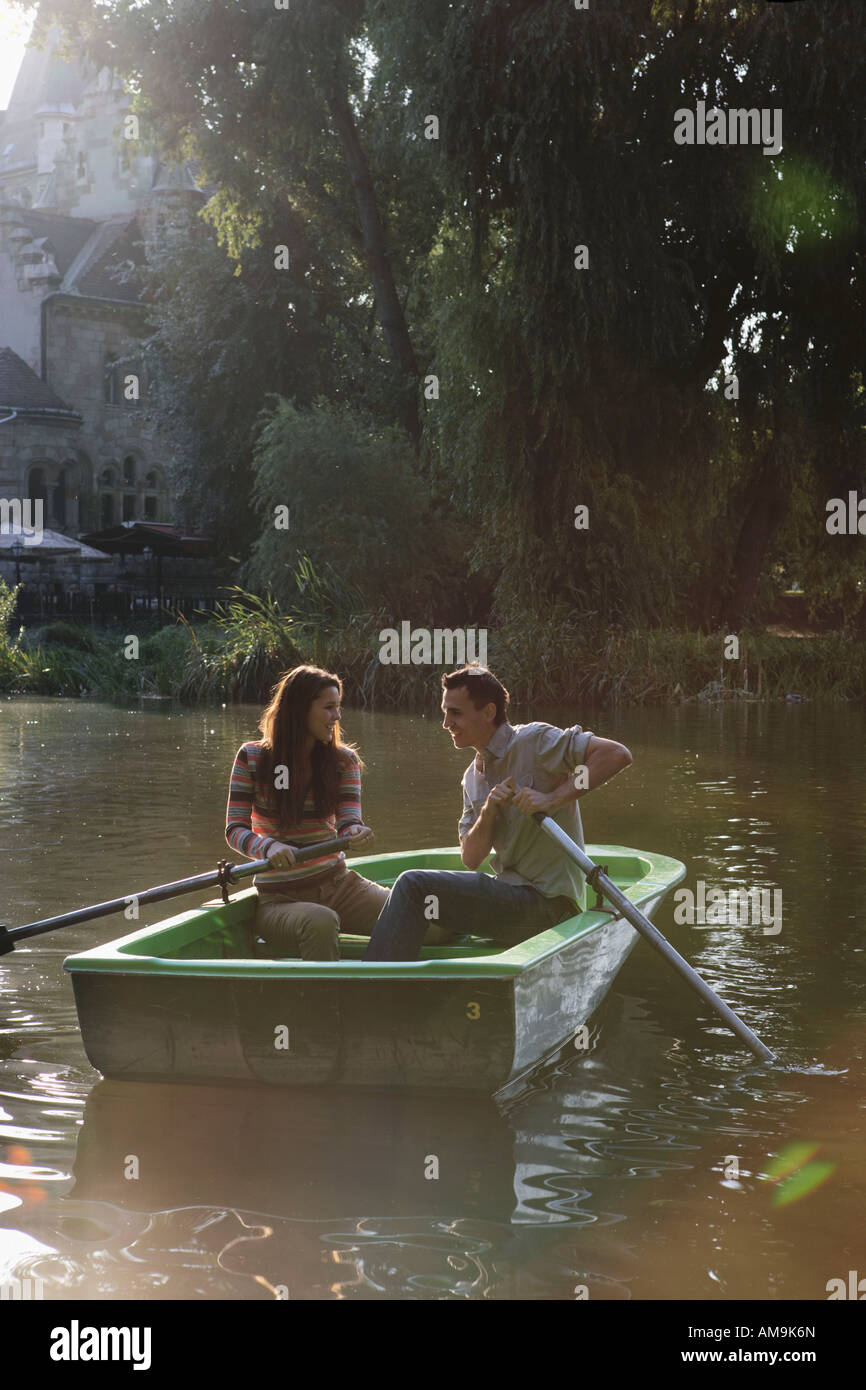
(313,1194)
(302,1153)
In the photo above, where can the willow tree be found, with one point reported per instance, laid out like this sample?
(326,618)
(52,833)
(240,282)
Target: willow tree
(490,195)
(670,334)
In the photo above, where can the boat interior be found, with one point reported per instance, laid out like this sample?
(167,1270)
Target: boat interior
(226,933)
(221,931)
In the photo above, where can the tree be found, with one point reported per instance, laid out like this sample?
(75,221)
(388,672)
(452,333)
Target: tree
(602,385)
(336,488)
(671,335)
(271,107)
(271,104)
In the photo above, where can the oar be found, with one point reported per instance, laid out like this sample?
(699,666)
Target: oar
(600,881)
(221,877)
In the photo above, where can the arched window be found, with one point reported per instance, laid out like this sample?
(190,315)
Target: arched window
(107,486)
(60,497)
(130,500)
(154,490)
(36,487)
(84,515)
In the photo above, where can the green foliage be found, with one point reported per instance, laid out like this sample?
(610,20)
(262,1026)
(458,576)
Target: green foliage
(8,599)
(241,652)
(558,386)
(571,661)
(571,386)
(164,648)
(358,507)
(323,596)
(108,675)
(75,636)
(259,98)
(13,661)
(563,657)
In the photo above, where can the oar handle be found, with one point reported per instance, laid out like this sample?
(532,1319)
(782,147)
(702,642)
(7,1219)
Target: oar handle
(198,883)
(600,881)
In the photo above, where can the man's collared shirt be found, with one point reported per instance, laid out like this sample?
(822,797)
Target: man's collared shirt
(538,756)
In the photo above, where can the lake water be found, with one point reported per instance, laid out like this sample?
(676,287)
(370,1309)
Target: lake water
(632,1171)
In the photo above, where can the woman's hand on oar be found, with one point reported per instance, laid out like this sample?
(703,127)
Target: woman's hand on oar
(225,875)
(359,833)
(281,856)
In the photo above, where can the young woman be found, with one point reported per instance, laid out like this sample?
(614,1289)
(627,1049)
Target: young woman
(301,784)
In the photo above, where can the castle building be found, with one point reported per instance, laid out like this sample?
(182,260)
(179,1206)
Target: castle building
(81,206)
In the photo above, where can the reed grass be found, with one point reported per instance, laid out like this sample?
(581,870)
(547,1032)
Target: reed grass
(559,658)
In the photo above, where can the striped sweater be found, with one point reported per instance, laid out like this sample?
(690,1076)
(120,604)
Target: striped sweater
(252,827)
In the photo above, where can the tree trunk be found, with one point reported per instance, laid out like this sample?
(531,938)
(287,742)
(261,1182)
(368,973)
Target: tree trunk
(388,306)
(764,508)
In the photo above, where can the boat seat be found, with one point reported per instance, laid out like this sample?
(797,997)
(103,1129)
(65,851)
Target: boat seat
(230,943)
(353,947)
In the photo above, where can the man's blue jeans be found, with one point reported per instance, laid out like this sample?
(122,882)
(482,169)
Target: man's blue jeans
(460,902)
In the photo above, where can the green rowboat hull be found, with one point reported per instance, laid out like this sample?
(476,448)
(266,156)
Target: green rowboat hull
(189,999)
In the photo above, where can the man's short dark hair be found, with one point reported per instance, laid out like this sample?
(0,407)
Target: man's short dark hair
(483,688)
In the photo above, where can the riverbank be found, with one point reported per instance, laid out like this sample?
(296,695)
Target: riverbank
(542,662)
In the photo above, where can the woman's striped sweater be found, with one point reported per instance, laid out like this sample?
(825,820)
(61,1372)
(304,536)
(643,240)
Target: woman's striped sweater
(252,827)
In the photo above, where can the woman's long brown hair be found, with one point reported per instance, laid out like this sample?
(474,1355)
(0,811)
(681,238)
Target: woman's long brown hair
(284,728)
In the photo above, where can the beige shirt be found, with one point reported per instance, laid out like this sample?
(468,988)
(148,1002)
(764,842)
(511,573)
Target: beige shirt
(538,756)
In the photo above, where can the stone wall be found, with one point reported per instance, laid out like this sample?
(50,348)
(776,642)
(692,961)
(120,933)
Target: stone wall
(121,475)
(109,468)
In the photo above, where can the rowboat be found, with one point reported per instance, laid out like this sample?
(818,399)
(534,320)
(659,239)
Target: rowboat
(194,999)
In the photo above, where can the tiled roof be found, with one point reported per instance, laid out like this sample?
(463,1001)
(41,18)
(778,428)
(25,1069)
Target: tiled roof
(68,235)
(17,143)
(46,79)
(163,539)
(93,258)
(169,175)
(21,389)
(107,268)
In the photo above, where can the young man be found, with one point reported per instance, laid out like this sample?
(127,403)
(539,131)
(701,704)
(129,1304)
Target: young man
(518,770)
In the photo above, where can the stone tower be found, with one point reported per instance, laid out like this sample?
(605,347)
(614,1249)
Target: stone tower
(80,204)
